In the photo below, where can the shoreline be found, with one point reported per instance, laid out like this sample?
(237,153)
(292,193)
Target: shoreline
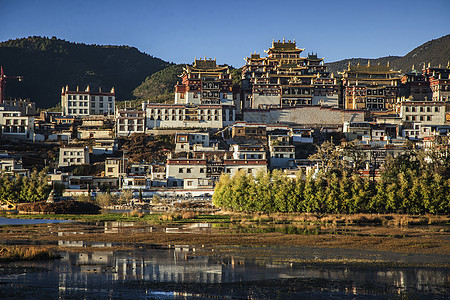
(239,231)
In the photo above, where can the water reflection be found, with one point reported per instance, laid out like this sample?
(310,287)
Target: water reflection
(10,221)
(105,273)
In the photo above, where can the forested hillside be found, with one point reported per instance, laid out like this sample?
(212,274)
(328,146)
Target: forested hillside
(47,64)
(434,52)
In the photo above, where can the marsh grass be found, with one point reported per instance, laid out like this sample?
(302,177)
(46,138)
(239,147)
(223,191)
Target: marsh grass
(376,220)
(15,253)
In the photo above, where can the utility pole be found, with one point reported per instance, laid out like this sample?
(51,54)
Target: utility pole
(3,78)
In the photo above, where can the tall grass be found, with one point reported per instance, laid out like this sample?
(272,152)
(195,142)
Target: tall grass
(15,253)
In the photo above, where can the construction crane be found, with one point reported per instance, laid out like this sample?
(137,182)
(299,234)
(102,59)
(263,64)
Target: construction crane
(3,78)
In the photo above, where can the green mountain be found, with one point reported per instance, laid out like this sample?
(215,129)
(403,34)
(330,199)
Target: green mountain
(160,86)
(436,52)
(49,64)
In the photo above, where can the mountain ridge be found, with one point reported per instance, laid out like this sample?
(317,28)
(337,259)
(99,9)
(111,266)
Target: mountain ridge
(435,52)
(47,64)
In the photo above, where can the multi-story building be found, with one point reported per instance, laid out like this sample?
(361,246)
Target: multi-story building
(247,152)
(424,112)
(207,167)
(129,122)
(206,98)
(14,125)
(414,86)
(370,87)
(10,163)
(188,115)
(356,130)
(282,153)
(285,79)
(207,83)
(187,142)
(25,106)
(302,135)
(439,79)
(70,156)
(115,167)
(98,127)
(85,103)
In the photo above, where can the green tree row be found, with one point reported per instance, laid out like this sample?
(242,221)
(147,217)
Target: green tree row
(19,189)
(415,182)
(274,192)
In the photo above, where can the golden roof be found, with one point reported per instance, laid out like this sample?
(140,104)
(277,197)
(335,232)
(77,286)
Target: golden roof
(284,46)
(369,69)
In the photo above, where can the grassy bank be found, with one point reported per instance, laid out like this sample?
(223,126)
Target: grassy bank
(20,253)
(387,220)
(134,216)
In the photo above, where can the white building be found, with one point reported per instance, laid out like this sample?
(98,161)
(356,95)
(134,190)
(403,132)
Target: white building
(197,141)
(248,152)
(201,171)
(129,121)
(11,164)
(424,112)
(282,154)
(188,116)
(69,156)
(302,135)
(86,103)
(14,125)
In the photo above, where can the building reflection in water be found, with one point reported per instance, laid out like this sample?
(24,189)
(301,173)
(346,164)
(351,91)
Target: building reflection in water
(78,271)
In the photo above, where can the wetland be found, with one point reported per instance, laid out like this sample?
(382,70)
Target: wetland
(234,256)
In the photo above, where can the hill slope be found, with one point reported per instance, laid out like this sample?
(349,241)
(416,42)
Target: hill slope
(49,64)
(435,51)
(160,86)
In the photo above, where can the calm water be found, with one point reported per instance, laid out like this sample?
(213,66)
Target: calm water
(164,273)
(185,272)
(8,221)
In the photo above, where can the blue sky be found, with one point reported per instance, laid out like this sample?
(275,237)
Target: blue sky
(229,30)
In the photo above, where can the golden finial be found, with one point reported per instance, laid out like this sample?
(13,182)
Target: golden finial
(388,64)
(368,63)
(348,65)
(283,40)
(412,69)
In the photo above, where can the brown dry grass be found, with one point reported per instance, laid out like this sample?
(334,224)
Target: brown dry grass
(15,253)
(429,239)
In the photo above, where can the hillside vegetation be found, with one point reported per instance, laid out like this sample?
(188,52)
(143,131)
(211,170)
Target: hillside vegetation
(47,64)
(435,52)
(160,86)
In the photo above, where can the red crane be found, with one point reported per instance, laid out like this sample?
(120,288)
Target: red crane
(3,78)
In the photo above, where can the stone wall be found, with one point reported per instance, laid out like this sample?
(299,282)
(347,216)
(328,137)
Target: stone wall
(305,115)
